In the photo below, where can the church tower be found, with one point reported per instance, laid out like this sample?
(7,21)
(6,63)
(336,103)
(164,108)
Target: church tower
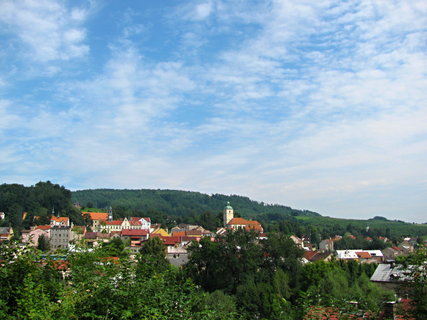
(110,214)
(228,214)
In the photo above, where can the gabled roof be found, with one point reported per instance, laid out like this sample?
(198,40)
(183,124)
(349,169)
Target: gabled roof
(103,216)
(309,254)
(248,224)
(59,219)
(242,221)
(160,231)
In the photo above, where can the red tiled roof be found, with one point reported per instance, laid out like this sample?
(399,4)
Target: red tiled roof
(59,219)
(134,232)
(103,216)
(43,227)
(309,254)
(171,240)
(242,221)
(363,255)
(249,224)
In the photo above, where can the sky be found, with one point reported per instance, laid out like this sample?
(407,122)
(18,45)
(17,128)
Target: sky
(318,105)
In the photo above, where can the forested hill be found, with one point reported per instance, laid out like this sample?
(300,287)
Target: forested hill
(179,203)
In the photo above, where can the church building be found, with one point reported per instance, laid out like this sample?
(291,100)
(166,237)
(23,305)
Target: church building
(230,222)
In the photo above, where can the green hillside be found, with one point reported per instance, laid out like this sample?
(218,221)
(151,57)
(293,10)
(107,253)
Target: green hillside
(178,203)
(376,226)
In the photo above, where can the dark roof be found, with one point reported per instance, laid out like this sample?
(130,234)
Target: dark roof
(90,235)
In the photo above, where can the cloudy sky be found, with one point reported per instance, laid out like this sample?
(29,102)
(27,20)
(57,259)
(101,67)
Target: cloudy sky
(319,105)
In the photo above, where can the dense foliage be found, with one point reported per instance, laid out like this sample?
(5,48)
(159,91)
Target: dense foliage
(97,286)
(237,277)
(268,280)
(416,265)
(38,200)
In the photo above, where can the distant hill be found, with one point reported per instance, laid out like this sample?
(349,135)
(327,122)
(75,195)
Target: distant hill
(377,226)
(179,203)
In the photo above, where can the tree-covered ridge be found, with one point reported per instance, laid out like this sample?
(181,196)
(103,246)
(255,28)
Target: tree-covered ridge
(22,204)
(361,228)
(179,203)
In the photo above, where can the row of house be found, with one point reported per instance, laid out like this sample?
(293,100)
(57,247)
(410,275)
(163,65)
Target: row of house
(326,251)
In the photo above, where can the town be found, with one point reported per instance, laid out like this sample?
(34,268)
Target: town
(61,238)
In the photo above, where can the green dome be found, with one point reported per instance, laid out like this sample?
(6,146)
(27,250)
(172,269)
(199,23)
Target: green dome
(228,207)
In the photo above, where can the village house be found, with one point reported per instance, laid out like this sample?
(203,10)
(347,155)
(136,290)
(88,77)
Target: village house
(392,277)
(59,221)
(60,237)
(312,256)
(6,233)
(135,236)
(31,237)
(103,222)
(326,245)
(363,256)
(297,240)
(96,218)
(94,239)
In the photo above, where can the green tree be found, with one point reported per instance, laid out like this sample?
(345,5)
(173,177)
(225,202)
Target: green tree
(43,243)
(153,256)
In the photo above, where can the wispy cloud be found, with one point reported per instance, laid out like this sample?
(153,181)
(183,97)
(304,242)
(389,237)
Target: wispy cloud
(319,105)
(47,28)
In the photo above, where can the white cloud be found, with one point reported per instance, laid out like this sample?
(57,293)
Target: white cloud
(48,29)
(203,10)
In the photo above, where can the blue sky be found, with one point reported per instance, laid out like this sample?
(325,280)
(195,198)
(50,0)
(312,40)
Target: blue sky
(319,105)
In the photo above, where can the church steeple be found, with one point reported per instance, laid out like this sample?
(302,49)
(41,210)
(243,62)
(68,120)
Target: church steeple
(110,213)
(228,214)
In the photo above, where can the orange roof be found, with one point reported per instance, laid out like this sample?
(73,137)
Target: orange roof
(249,224)
(59,219)
(43,227)
(241,221)
(103,216)
(178,233)
(363,255)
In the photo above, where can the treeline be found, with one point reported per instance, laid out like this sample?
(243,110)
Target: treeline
(21,204)
(178,203)
(374,228)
